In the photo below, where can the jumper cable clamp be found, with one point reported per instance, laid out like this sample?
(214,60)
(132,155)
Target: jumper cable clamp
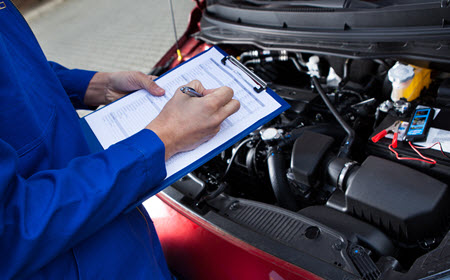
(393,128)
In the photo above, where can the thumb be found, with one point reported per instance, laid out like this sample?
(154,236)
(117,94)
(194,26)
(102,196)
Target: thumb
(147,82)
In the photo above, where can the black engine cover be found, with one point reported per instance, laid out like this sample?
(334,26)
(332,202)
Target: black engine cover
(406,203)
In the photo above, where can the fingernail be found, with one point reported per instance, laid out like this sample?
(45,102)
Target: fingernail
(160,90)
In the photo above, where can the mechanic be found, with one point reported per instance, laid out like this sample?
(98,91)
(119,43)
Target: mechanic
(62,210)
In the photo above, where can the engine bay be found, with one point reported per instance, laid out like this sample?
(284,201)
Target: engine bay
(317,160)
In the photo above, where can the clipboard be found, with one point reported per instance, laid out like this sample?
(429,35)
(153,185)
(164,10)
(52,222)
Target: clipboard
(258,89)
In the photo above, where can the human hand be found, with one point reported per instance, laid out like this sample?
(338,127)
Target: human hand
(186,122)
(105,88)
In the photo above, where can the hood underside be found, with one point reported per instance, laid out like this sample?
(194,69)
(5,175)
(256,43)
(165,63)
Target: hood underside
(409,31)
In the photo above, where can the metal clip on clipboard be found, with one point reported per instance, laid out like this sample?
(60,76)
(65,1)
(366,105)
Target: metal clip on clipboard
(256,79)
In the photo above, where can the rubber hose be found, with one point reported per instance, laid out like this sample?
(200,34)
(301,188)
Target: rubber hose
(277,174)
(346,148)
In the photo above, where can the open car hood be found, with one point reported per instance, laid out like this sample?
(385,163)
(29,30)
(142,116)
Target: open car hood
(354,29)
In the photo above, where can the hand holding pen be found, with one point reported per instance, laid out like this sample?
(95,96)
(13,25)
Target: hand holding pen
(185,122)
(190,91)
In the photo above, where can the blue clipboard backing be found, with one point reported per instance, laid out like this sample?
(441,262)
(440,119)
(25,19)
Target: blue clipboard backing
(95,145)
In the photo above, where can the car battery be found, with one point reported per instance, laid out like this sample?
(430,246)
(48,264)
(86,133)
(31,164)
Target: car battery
(440,170)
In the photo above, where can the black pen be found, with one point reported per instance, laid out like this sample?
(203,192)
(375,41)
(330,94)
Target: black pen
(190,91)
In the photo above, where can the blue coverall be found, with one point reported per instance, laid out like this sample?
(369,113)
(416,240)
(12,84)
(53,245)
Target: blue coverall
(62,208)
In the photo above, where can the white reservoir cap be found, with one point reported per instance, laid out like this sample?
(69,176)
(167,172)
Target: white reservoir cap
(400,73)
(313,66)
(270,134)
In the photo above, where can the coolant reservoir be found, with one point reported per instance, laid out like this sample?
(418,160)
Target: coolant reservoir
(408,81)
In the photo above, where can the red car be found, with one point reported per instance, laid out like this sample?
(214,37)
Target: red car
(318,192)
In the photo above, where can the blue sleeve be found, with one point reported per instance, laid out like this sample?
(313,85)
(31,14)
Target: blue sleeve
(48,213)
(74,81)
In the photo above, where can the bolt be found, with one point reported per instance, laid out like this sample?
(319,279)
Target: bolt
(338,245)
(234,206)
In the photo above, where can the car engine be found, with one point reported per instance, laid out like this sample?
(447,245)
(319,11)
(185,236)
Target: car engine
(317,158)
(317,163)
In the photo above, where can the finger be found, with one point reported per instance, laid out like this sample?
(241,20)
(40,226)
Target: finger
(221,96)
(197,85)
(179,95)
(228,109)
(209,91)
(146,82)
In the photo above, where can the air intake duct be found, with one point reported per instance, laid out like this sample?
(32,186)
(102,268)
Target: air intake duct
(404,202)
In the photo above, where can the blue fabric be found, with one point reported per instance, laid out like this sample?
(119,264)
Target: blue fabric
(74,82)
(61,208)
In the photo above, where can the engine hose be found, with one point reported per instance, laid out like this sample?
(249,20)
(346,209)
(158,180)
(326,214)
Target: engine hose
(220,189)
(276,164)
(346,148)
(345,74)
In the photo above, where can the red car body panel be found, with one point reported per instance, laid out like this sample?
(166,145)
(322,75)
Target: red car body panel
(196,249)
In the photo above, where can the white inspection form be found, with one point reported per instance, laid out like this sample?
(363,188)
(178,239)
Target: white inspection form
(132,113)
(437,135)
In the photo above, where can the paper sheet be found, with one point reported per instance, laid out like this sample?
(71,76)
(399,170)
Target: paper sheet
(437,135)
(131,114)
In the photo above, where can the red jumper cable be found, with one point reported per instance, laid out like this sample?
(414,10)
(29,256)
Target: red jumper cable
(393,128)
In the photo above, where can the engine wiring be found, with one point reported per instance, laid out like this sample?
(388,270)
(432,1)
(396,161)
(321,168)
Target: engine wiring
(429,147)
(416,149)
(422,159)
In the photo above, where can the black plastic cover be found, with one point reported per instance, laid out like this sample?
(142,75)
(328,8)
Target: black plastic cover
(310,239)
(307,154)
(432,266)
(403,201)
(356,231)
(192,187)
(366,267)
